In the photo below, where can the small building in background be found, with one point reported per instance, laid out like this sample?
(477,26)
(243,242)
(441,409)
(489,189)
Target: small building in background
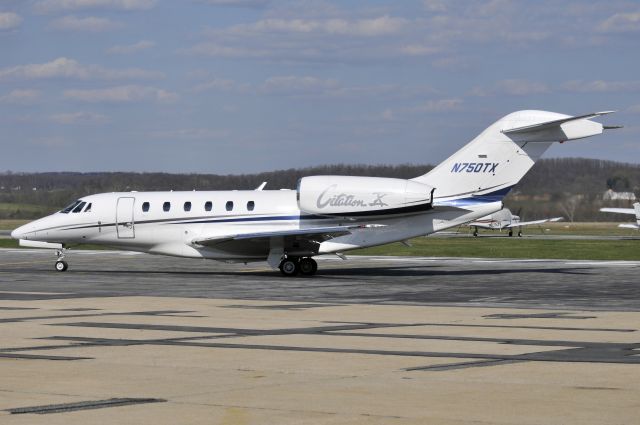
(610,195)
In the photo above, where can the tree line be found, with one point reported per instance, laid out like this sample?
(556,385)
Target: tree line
(557,186)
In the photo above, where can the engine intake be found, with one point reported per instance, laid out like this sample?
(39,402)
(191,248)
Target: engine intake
(362,196)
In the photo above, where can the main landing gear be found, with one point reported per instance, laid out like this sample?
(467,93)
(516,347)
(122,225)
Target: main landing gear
(61,265)
(291,266)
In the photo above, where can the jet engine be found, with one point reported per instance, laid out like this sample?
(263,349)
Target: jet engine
(362,196)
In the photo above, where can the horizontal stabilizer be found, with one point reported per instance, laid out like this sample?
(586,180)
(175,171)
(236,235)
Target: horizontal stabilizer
(557,130)
(549,125)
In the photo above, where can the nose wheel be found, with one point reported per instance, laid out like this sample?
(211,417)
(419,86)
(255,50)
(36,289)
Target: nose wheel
(61,265)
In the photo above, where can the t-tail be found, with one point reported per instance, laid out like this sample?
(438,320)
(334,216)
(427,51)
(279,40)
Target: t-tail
(488,167)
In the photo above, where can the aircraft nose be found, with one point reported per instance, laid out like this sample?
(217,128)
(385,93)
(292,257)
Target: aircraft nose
(17,233)
(22,232)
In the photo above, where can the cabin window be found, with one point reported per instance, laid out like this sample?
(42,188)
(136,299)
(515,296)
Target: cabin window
(79,207)
(187,206)
(145,207)
(70,207)
(166,206)
(229,206)
(88,209)
(251,205)
(208,206)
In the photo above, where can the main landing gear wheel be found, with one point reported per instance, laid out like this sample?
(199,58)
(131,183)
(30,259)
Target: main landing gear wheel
(61,266)
(520,233)
(475,233)
(308,266)
(510,233)
(290,267)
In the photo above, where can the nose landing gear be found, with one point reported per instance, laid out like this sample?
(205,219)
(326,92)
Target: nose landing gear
(61,265)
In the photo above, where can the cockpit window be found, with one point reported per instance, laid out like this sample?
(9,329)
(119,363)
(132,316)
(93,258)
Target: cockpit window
(79,207)
(88,209)
(70,207)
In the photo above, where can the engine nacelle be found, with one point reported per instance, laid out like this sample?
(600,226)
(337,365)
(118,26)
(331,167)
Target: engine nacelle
(362,196)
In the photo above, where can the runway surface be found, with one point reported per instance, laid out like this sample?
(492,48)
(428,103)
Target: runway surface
(398,280)
(132,338)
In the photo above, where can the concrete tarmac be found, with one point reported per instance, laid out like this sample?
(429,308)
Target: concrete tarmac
(132,338)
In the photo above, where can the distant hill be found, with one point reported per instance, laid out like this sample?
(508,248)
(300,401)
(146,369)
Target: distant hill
(571,187)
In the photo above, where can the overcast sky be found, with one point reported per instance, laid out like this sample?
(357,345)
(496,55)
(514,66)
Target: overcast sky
(237,86)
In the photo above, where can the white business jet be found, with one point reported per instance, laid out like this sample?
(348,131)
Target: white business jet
(635,210)
(325,214)
(504,219)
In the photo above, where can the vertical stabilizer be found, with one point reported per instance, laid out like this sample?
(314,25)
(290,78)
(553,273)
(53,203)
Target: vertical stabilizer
(491,164)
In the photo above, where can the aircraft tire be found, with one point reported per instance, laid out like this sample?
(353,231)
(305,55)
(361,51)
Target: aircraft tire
(61,266)
(308,266)
(510,233)
(475,233)
(519,234)
(290,267)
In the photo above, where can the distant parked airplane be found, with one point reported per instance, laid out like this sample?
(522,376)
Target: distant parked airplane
(635,210)
(503,219)
(326,214)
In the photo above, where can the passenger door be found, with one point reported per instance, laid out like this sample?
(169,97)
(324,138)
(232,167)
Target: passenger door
(124,218)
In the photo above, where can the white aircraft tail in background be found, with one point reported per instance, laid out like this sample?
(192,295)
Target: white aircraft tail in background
(326,214)
(632,211)
(504,219)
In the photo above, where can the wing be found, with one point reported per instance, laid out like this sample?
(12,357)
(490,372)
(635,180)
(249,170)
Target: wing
(484,224)
(315,234)
(629,226)
(619,210)
(530,223)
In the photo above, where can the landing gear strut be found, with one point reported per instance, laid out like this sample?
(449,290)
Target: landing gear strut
(291,266)
(61,265)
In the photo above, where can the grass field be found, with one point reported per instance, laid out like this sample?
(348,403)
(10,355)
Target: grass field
(492,247)
(23,210)
(571,249)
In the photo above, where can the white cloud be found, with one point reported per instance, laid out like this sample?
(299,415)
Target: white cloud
(512,87)
(9,20)
(70,68)
(634,109)
(222,84)
(418,50)
(435,5)
(621,22)
(79,118)
(21,97)
(121,94)
(131,48)
(294,85)
(190,134)
(373,27)
(87,24)
(48,6)
(237,3)
(440,105)
(601,86)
